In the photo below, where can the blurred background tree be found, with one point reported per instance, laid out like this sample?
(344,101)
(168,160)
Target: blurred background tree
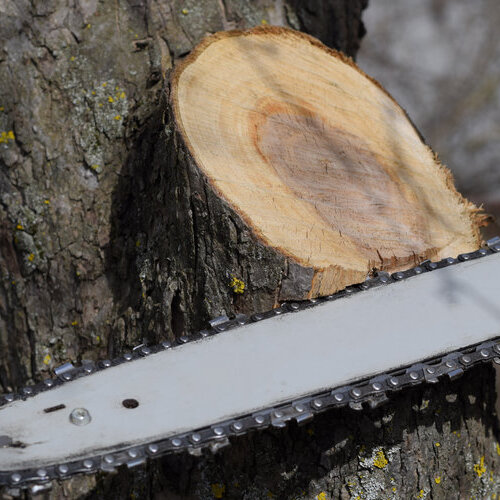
(440,59)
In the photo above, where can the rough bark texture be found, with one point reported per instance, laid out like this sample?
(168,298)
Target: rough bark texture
(344,30)
(93,260)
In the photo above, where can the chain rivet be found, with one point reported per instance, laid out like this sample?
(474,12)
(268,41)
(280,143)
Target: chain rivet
(218,431)
(195,438)
(356,392)
(484,353)
(430,370)
(237,426)
(109,459)
(317,403)
(414,375)
(394,381)
(259,419)
(278,414)
(15,478)
(88,464)
(299,408)
(377,386)
(339,397)
(153,448)
(466,359)
(41,473)
(63,469)
(176,442)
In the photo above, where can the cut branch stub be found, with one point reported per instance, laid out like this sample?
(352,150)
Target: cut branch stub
(316,158)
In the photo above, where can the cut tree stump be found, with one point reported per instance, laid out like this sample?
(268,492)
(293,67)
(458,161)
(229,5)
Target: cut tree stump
(314,160)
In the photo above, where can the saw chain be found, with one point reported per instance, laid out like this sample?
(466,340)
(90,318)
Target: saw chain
(369,392)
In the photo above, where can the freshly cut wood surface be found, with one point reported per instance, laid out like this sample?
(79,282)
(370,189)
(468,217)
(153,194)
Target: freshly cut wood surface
(317,159)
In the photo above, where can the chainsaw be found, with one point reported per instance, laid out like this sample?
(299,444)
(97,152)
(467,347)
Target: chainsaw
(353,348)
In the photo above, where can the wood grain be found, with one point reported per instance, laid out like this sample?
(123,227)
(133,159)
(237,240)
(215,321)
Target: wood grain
(320,162)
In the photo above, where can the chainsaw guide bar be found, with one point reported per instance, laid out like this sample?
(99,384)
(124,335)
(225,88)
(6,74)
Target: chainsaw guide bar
(352,349)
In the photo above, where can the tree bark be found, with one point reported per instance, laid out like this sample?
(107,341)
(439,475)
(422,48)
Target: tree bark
(92,263)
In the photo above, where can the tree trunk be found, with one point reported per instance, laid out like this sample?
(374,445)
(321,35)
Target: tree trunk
(92,262)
